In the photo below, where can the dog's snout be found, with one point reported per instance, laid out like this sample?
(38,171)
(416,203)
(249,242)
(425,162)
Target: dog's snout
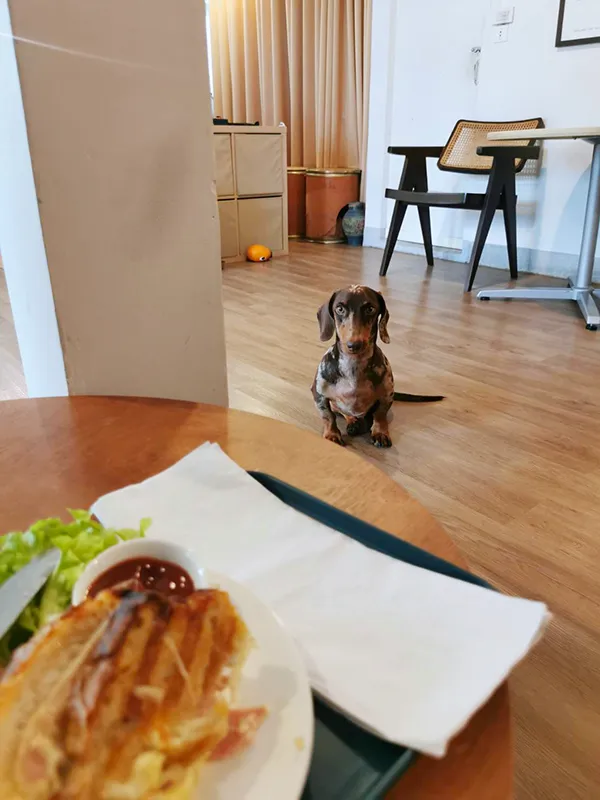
(355,346)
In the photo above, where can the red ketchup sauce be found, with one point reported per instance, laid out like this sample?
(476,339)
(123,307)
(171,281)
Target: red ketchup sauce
(145,574)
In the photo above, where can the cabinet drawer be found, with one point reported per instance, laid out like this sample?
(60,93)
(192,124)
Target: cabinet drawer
(259,163)
(228,219)
(261,222)
(224,164)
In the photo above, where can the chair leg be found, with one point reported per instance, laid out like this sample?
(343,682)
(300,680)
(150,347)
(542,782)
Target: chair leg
(490,206)
(392,237)
(422,185)
(425,220)
(509,206)
(408,179)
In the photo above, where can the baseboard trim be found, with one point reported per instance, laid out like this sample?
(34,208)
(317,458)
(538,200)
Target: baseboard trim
(541,262)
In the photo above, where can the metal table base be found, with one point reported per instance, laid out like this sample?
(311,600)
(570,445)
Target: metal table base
(580,290)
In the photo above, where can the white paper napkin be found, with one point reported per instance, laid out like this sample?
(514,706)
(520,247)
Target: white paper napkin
(409,653)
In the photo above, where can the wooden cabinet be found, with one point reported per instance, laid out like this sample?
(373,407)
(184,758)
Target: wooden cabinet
(251,169)
(228,219)
(260,221)
(224,165)
(259,166)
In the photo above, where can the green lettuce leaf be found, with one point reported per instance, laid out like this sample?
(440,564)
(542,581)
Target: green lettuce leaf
(80,540)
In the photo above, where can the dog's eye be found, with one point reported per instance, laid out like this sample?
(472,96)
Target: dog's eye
(369,311)
(340,310)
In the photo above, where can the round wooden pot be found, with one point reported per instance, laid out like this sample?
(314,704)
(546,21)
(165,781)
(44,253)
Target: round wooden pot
(328,192)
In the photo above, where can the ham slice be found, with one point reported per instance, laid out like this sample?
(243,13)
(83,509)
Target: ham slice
(243,724)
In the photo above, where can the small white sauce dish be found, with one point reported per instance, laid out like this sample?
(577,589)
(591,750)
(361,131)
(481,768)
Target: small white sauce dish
(137,548)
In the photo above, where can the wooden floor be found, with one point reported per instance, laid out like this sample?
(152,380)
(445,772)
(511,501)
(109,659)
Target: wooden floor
(509,463)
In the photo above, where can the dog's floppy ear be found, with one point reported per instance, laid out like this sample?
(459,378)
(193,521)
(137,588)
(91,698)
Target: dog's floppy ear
(384,316)
(326,321)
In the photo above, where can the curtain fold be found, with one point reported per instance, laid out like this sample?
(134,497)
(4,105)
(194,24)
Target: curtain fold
(305,63)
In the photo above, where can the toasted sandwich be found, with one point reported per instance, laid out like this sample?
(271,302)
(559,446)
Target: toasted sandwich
(125,697)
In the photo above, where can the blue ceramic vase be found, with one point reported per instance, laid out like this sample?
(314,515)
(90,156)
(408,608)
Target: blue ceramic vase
(353,224)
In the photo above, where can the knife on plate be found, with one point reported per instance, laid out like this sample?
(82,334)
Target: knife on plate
(22,587)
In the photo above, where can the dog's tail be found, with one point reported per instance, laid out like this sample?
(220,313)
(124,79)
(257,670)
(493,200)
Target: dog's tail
(418,398)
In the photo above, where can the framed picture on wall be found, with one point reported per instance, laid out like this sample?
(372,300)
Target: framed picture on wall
(578,22)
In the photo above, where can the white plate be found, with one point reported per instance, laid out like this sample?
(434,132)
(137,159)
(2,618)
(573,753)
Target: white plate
(276,765)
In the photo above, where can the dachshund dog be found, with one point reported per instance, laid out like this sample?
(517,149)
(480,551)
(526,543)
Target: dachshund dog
(354,378)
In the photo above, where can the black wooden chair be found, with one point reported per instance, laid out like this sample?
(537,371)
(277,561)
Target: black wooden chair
(467,150)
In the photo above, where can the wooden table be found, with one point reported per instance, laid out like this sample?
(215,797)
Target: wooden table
(66,452)
(580,289)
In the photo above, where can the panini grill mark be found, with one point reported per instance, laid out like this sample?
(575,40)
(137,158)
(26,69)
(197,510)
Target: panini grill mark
(229,627)
(98,669)
(205,612)
(165,664)
(103,723)
(202,619)
(187,731)
(121,620)
(136,706)
(163,668)
(178,682)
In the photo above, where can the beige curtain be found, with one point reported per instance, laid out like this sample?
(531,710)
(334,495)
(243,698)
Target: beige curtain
(301,62)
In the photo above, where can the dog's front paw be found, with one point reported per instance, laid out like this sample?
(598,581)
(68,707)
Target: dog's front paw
(381,439)
(335,437)
(357,428)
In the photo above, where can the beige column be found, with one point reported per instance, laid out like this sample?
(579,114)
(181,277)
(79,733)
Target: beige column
(116,100)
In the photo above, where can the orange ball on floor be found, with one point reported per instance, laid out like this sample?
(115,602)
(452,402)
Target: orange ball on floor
(258,252)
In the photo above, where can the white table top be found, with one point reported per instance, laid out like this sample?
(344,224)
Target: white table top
(546,133)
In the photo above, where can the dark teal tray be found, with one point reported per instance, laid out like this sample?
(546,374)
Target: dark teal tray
(348,763)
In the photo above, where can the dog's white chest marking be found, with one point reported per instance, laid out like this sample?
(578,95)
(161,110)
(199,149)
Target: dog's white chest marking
(349,396)
(343,395)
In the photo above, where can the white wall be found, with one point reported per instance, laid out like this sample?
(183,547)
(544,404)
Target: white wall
(526,76)
(21,240)
(420,100)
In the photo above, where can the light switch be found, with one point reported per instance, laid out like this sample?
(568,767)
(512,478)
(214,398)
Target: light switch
(505,15)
